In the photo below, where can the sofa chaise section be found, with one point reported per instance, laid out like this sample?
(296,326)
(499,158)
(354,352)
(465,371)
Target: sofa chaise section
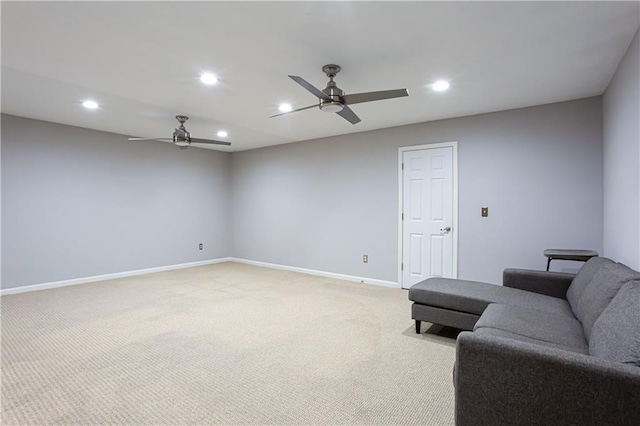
(459,303)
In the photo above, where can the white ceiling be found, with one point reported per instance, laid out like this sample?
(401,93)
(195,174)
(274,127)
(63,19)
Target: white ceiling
(142,60)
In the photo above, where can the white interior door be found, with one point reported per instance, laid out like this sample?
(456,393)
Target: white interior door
(427,214)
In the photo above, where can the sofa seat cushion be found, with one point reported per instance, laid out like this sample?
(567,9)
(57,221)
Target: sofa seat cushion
(616,333)
(535,324)
(583,278)
(506,334)
(600,291)
(474,297)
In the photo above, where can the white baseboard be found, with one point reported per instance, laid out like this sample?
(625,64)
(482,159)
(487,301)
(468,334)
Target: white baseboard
(319,273)
(75,281)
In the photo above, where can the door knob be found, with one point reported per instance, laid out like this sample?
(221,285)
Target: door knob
(445,230)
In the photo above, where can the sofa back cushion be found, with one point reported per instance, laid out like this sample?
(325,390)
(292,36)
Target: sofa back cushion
(582,278)
(601,289)
(616,334)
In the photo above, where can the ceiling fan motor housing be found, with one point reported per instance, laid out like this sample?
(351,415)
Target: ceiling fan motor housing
(181,137)
(335,103)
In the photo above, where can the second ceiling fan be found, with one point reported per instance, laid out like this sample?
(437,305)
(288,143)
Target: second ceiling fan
(181,137)
(333,99)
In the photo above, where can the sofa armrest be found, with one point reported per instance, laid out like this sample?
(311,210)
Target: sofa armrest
(504,381)
(549,283)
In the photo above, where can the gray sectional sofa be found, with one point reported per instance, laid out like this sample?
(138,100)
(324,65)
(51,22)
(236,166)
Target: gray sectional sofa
(546,348)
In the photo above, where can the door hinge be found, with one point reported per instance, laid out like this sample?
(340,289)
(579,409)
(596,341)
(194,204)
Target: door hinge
(402,266)
(402,216)
(402,166)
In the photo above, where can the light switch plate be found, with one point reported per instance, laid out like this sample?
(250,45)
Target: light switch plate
(485,211)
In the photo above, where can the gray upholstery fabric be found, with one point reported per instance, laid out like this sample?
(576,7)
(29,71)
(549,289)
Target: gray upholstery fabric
(528,361)
(616,333)
(548,283)
(603,287)
(508,382)
(461,320)
(535,324)
(582,279)
(484,331)
(474,297)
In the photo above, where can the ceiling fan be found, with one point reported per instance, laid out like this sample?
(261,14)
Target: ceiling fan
(332,99)
(181,137)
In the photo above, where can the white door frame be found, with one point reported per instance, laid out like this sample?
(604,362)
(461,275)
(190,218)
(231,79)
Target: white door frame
(401,151)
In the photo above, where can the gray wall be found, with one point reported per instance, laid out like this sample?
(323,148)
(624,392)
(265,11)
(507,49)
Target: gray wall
(322,204)
(78,203)
(621,123)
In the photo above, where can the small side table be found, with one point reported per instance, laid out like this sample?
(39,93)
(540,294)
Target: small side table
(559,254)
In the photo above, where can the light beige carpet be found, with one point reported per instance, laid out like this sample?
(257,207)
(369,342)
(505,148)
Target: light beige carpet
(221,344)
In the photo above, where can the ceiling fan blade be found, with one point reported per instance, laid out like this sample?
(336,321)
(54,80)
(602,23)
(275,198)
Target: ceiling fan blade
(295,110)
(357,98)
(310,87)
(209,141)
(152,139)
(349,115)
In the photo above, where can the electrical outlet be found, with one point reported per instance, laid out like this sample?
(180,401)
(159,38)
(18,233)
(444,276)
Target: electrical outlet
(365,258)
(200,246)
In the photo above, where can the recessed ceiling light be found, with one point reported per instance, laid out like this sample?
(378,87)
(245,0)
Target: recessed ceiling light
(440,85)
(222,134)
(208,78)
(284,107)
(90,104)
